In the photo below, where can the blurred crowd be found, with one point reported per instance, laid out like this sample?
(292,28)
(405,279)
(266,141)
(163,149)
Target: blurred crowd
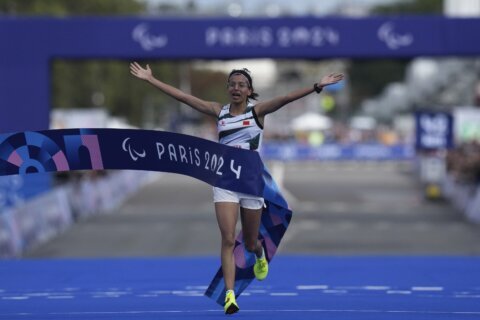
(463,163)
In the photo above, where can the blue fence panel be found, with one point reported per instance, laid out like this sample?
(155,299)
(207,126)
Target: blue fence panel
(336,152)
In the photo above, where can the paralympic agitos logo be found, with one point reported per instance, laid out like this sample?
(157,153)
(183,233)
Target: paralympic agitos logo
(394,40)
(134,154)
(148,41)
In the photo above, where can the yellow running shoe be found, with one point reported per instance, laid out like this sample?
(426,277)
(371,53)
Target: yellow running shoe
(231,305)
(260,269)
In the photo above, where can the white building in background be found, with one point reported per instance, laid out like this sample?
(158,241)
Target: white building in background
(461,8)
(85,118)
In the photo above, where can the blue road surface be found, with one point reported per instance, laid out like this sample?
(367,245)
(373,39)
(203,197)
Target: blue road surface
(298,287)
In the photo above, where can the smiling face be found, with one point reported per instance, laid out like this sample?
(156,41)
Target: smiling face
(238,88)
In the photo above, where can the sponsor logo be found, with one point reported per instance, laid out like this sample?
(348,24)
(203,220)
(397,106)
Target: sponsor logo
(394,41)
(434,130)
(134,154)
(147,40)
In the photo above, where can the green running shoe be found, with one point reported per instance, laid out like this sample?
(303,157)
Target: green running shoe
(231,305)
(260,269)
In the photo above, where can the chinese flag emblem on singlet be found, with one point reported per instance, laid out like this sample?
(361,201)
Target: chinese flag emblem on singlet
(246,122)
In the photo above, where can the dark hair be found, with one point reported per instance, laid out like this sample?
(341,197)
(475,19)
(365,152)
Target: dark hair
(245,72)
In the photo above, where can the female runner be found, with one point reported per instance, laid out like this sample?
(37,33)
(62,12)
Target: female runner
(240,124)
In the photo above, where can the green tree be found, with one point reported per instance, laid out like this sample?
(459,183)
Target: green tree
(369,77)
(411,7)
(108,84)
(71,7)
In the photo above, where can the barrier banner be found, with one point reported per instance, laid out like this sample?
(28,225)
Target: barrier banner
(290,151)
(216,164)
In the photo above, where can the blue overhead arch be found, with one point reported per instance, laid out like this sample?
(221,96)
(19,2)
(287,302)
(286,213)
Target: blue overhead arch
(27,45)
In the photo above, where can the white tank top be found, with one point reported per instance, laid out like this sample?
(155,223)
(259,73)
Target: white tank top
(242,131)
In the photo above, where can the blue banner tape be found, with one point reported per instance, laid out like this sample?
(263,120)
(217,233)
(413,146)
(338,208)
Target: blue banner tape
(96,149)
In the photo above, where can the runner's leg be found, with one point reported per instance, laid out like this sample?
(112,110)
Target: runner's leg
(227,216)
(251,219)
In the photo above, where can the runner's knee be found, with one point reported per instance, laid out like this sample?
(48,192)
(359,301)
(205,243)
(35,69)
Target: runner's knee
(228,241)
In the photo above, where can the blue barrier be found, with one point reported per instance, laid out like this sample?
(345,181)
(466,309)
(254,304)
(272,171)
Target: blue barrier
(336,152)
(15,190)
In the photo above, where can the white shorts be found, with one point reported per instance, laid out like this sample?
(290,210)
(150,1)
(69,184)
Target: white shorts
(246,201)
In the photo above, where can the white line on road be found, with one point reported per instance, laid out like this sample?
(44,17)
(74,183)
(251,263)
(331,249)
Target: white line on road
(427,288)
